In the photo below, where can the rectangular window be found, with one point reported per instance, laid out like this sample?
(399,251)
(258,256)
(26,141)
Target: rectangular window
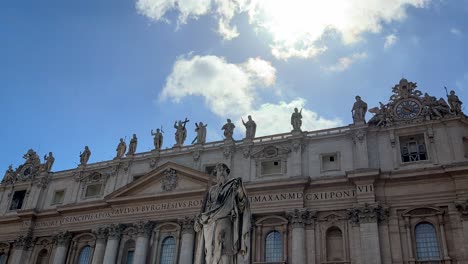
(465,146)
(93,190)
(271,167)
(209,169)
(330,162)
(17,200)
(413,148)
(58,197)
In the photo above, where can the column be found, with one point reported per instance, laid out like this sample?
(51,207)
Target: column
(100,248)
(409,241)
(368,217)
(186,249)
(296,219)
(463,210)
(21,246)
(442,237)
(310,236)
(62,241)
(114,232)
(144,230)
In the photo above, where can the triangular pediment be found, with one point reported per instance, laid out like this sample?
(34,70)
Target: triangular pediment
(169,179)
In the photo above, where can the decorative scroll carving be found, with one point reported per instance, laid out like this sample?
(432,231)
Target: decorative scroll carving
(24,241)
(359,136)
(169,180)
(63,238)
(153,163)
(100,233)
(301,217)
(196,155)
(271,152)
(367,214)
(246,152)
(227,151)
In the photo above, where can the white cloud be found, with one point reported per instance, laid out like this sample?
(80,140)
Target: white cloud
(230,91)
(296,26)
(457,32)
(345,62)
(390,40)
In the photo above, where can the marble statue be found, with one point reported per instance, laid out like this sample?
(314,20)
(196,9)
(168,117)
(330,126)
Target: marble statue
(121,148)
(49,162)
(435,108)
(359,111)
(158,139)
(84,157)
(132,146)
(228,129)
(181,132)
(201,133)
(296,120)
(223,226)
(455,103)
(9,176)
(250,128)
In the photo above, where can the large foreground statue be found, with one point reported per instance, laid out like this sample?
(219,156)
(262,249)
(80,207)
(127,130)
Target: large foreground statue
(223,227)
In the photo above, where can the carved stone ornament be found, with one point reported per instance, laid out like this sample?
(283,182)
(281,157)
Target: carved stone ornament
(196,155)
(367,214)
(144,228)
(24,241)
(169,180)
(246,152)
(270,152)
(63,238)
(359,136)
(101,233)
(186,224)
(89,177)
(462,207)
(153,163)
(227,151)
(43,182)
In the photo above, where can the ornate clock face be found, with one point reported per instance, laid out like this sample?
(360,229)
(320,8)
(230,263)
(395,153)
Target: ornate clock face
(408,108)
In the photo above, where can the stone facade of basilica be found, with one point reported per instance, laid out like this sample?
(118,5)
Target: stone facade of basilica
(392,190)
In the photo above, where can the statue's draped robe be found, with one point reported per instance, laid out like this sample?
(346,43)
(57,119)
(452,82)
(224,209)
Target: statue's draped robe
(225,234)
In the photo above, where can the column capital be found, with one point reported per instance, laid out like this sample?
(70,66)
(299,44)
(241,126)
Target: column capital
(300,217)
(367,214)
(186,224)
(115,231)
(144,228)
(24,241)
(100,233)
(63,238)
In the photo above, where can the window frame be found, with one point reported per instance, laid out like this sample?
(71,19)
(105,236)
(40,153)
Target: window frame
(265,245)
(426,145)
(335,154)
(23,203)
(437,237)
(53,202)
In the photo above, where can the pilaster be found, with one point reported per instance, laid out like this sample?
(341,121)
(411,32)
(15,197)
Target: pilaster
(297,219)
(144,230)
(186,252)
(114,233)
(62,241)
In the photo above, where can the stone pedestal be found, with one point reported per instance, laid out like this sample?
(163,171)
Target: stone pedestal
(187,244)
(63,240)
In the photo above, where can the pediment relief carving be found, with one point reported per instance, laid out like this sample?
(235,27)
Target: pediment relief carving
(270,152)
(331,217)
(423,211)
(271,220)
(168,178)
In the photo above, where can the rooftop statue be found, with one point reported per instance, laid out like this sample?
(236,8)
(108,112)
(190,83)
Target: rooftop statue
(181,132)
(223,226)
(250,128)
(84,157)
(228,129)
(455,103)
(9,177)
(158,139)
(49,162)
(359,111)
(121,148)
(200,128)
(132,146)
(296,120)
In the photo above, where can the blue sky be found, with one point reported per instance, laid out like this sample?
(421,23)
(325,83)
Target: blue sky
(76,73)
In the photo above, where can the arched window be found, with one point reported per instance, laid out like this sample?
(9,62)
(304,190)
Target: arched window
(167,250)
(427,246)
(85,255)
(273,247)
(42,257)
(2,258)
(334,244)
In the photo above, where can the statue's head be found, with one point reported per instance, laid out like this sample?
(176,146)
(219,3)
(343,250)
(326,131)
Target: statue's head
(295,109)
(157,129)
(121,139)
(50,153)
(200,124)
(358,97)
(180,123)
(249,117)
(229,120)
(452,92)
(134,135)
(222,172)
(86,147)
